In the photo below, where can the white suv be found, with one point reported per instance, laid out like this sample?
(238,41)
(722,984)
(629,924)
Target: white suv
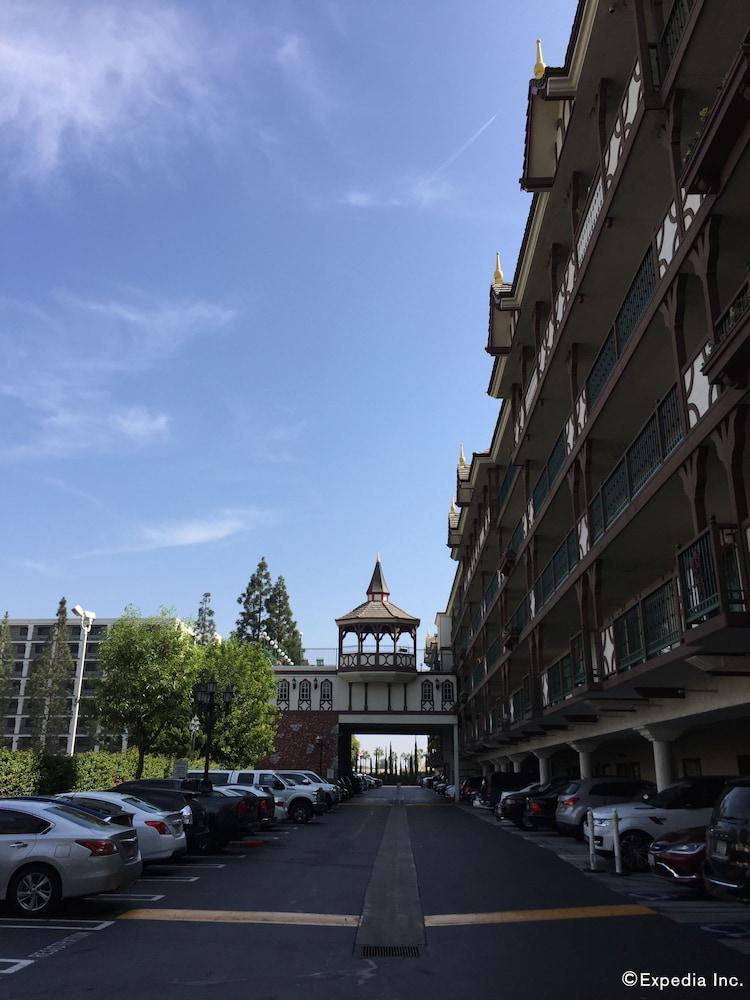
(687,803)
(311,779)
(301,802)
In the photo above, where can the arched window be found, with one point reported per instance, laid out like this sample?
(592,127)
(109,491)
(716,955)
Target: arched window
(305,696)
(447,693)
(326,696)
(428,697)
(282,698)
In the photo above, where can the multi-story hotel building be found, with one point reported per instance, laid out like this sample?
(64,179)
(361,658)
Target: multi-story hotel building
(600,619)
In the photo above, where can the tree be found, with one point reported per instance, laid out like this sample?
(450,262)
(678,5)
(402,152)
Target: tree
(379,754)
(205,628)
(6,666)
(248,732)
(355,751)
(148,668)
(254,615)
(280,624)
(48,686)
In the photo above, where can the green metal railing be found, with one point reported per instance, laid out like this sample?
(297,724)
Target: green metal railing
(508,479)
(698,580)
(557,569)
(550,471)
(734,312)
(494,652)
(563,677)
(675,26)
(628,635)
(491,591)
(661,619)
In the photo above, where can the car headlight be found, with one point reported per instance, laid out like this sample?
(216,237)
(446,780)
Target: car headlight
(693,847)
(601,823)
(278,802)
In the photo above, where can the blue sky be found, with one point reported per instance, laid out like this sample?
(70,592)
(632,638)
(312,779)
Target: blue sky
(247,252)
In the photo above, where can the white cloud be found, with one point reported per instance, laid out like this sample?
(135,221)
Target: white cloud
(82,80)
(63,370)
(181,533)
(302,71)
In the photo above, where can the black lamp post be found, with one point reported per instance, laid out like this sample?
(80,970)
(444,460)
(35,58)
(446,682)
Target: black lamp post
(207,707)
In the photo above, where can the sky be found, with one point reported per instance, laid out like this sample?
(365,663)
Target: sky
(247,250)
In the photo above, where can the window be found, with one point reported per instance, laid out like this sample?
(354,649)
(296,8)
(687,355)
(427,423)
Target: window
(282,698)
(246,778)
(326,695)
(447,693)
(14,823)
(305,696)
(691,767)
(428,696)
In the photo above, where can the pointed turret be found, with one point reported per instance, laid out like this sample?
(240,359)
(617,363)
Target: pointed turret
(539,65)
(378,589)
(498,276)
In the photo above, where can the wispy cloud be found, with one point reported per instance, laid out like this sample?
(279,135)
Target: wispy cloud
(40,566)
(180,533)
(62,370)
(422,191)
(80,81)
(303,72)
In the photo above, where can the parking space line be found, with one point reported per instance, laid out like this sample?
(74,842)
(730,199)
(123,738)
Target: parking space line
(246,917)
(64,924)
(172,868)
(14,965)
(135,897)
(169,878)
(534,916)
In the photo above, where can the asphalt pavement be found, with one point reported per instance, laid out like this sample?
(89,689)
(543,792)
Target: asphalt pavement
(396,895)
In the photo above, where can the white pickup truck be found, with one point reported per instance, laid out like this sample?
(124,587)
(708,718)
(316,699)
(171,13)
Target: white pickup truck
(301,802)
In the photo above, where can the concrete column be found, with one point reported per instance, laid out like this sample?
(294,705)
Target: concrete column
(543,756)
(585,750)
(516,766)
(661,738)
(517,759)
(455,762)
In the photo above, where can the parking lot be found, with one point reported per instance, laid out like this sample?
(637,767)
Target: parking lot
(392,894)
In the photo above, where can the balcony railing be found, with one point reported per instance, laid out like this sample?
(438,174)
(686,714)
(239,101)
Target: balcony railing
(378,661)
(549,473)
(561,680)
(658,439)
(557,569)
(508,479)
(673,31)
(710,577)
(734,312)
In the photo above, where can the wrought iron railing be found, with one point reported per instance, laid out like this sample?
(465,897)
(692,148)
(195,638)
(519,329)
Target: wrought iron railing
(549,473)
(661,619)
(561,680)
(516,539)
(628,637)
(557,570)
(601,369)
(734,312)
(505,486)
(491,590)
(709,573)
(638,297)
(673,30)
(494,652)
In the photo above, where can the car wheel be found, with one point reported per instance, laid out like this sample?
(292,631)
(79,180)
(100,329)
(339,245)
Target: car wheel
(301,811)
(525,824)
(634,847)
(35,891)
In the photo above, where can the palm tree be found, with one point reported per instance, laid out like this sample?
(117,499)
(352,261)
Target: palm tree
(379,753)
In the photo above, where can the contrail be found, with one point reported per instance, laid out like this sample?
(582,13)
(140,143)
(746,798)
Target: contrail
(462,149)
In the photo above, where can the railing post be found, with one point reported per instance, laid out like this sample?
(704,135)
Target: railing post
(719,566)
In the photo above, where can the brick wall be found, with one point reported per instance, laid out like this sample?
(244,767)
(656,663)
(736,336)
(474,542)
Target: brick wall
(295,741)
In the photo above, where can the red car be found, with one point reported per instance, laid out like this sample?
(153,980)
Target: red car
(679,856)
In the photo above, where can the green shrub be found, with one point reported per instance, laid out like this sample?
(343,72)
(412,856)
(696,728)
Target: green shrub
(25,772)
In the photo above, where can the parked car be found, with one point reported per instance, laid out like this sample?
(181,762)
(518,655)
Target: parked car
(588,793)
(224,817)
(512,804)
(687,803)
(161,835)
(541,805)
(194,816)
(450,792)
(495,784)
(343,790)
(727,867)
(270,808)
(311,780)
(301,802)
(51,851)
(470,785)
(679,856)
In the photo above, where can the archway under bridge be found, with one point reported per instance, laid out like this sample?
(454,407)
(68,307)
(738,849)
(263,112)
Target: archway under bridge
(442,738)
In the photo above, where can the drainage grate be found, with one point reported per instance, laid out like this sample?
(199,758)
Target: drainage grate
(390,951)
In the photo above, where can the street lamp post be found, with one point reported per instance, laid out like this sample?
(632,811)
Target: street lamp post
(87,620)
(206,707)
(322,745)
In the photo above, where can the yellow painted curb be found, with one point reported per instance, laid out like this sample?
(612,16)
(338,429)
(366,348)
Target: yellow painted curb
(532,916)
(244,917)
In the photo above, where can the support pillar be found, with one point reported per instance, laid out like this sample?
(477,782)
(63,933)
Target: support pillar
(661,739)
(517,759)
(585,750)
(543,756)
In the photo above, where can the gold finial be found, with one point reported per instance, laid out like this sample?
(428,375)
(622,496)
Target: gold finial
(453,509)
(461,457)
(539,65)
(498,271)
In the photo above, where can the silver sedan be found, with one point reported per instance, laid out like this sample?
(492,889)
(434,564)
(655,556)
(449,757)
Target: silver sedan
(51,851)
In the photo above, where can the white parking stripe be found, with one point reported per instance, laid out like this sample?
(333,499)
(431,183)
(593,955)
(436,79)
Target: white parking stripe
(9,923)
(13,965)
(131,897)
(172,868)
(169,878)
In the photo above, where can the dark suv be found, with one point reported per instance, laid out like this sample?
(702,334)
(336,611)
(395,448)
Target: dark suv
(726,871)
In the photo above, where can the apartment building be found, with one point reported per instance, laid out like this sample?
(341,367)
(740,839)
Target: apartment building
(599,612)
(28,637)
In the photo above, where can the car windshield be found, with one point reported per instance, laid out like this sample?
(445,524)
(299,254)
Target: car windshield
(313,776)
(233,791)
(78,817)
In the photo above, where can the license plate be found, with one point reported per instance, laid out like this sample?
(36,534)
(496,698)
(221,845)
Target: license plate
(721,850)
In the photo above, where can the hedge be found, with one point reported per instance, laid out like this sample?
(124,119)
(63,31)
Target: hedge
(25,772)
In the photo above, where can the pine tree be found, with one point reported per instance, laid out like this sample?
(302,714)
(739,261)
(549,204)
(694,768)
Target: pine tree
(281,626)
(6,666)
(48,687)
(254,615)
(205,628)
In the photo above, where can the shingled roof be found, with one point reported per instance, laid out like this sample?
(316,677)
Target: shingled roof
(378,608)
